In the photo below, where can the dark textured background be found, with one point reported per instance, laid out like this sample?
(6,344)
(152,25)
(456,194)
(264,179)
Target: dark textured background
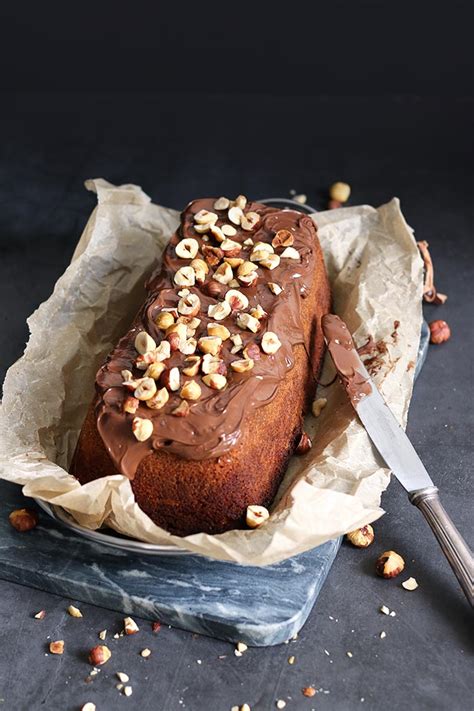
(380,98)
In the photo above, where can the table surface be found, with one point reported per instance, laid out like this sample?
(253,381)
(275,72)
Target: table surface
(416,149)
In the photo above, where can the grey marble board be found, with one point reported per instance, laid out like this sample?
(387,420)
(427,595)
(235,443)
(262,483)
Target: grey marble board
(258,606)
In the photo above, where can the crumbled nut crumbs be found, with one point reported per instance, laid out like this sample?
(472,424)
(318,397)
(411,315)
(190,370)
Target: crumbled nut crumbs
(74,611)
(102,634)
(121,676)
(127,690)
(40,615)
(280,704)
(349,654)
(383,635)
(384,609)
(145,652)
(291,660)
(410,584)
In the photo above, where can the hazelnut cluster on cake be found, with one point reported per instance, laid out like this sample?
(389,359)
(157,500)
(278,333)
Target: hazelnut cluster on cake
(201,402)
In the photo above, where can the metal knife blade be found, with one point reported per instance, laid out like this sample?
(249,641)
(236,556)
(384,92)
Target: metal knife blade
(381,425)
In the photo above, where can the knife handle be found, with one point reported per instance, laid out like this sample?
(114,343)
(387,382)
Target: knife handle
(452,543)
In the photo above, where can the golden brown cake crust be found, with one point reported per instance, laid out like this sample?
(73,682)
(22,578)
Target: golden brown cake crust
(186,496)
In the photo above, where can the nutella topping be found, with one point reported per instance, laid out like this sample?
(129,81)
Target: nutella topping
(345,357)
(210,425)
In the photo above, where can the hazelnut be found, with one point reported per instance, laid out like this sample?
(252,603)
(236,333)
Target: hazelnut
(89,706)
(212,255)
(170,379)
(130,626)
(155,370)
(215,381)
(361,537)
(300,198)
(213,364)
(258,312)
(228,230)
(389,564)
(182,410)
(142,428)
(309,691)
(340,192)
(270,343)
(274,288)
(205,216)
(192,364)
(191,390)
(121,676)
(185,277)
(283,238)
(174,339)
(290,253)
(241,201)
(249,221)
(189,305)
(99,655)
(145,653)
(146,389)
(187,248)
(74,611)
(222,203)
(236,300)
(57,647)
(217,233)
(23,519)
(304,444)
(200,269)
(210,344)
(241,366)
(252,351)
(223,273)
(270,261)
(164,320)
(234,262)
(410,584)
(230,247)
(249,322)
(246,268)
(160,399)
(163,352)
(235,215)
(144,343)
(248,280)
(217,329)
(127,691)
(219,311)
(40,615)
(188,347)
(142,362)
(202,229)
(318,406)
(256,515)
(439,331)
(236,339)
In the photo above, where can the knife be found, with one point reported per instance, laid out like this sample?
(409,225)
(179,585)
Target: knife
(396,449)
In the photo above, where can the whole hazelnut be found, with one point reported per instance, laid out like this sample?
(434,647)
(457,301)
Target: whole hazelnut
(99,655)
(340,192)
(361,537)
(23,519)
(439,331)
(389,564)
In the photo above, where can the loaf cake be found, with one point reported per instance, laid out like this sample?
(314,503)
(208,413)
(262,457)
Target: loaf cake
(201,402)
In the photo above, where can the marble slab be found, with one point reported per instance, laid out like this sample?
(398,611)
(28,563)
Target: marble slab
(260,607)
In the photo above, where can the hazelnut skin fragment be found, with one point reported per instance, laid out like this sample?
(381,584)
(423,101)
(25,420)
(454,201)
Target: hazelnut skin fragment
(439,332)
(361,537)
(389,564)
(23,519)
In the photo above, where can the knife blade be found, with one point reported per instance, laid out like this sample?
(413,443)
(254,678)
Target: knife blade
(396,449)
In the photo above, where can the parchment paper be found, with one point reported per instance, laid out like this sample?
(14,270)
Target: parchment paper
(376,276)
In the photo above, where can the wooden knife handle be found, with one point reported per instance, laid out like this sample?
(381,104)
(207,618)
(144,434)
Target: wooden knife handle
(452,543)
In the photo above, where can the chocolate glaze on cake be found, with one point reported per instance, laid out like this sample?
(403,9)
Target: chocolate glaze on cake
(213,424)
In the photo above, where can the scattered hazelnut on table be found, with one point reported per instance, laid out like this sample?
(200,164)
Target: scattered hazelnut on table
(410,584)
(439,331)
(318,406)
(361,537)
(23,519)
(130,626)
(389,564)
(340,192)
(304,444)
(40,615)
(89,706)
(56,647)
(99,655)
(309,691)
(74,611)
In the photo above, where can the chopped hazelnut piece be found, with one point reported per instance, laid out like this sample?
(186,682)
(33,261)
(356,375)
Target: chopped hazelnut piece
(212,255)
(210,344)
(290,253)
(223,273)
(185,276)
(191,390)
(192,364)
(249,221)
(236,339)
(241,201)
(246,268)
(171,379)
(102,634)
(274,288)
(270,343)
(242,366)
(121,676)
(203,229)
(222,203)
(200,270)
(218,329)
(236,300)
(215,381)
(291,660)
(213,364)
(258,312)
(205,216)
(410,584)
(241,647)
(127,690)
(230,247)
(249,322)
(142,428)
(74,611)
(145,653)
(40,615)
(155,370)
(270,261)
(187,248)
(318,406)
(249,279)
(252,351)
(189,305)
(182,410)
(99,655)
(256,515)
(163,351)
(188,347)
(283,238)
(382,635)
(439,332)
(89,706)
(130,626)
(235,215)
(146,389)
(164,320)
(144,343)
(384,610)
(57,647)
(219,311)
(229,230)
(217,233)
(309,691)
(361,537)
